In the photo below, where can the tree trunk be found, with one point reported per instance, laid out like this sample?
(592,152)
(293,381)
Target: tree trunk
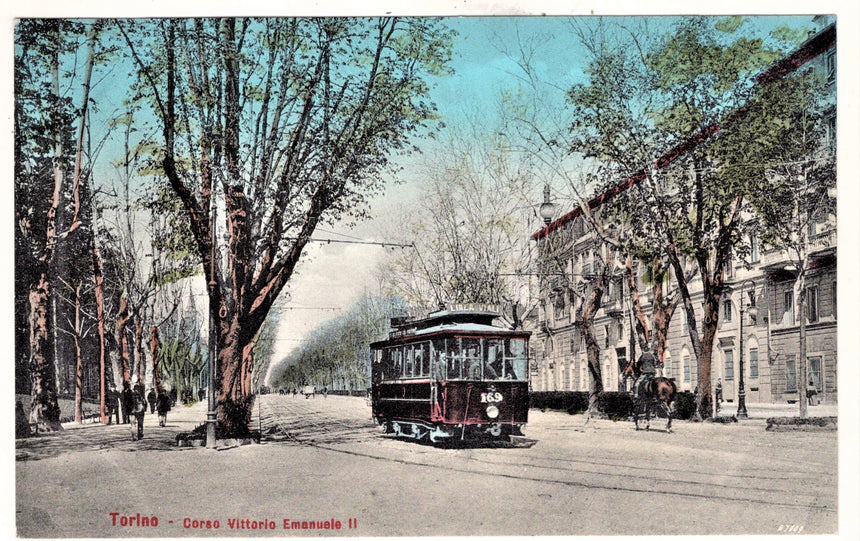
(122,340)
(44,408)
(141,361)
(663,312)
(234,406)
(592,348)
(803,373)
(79,361)
(704,400)
(100,322)
(155,351)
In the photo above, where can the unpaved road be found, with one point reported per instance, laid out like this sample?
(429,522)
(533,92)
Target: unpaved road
(323,461)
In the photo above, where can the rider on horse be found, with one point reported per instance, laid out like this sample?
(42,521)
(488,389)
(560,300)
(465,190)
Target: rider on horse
(647,365)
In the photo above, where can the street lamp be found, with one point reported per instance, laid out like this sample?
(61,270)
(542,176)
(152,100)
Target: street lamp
(211,410)
(753,312)
(547,209)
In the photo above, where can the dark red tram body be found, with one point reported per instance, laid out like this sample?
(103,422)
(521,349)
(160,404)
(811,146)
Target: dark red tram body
(451,375)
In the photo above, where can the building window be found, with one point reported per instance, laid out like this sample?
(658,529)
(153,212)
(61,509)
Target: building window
(685,367)
(685,326)
(790,377)
(830,66)
(558,306)
(754,252)
(574,341)
(727,310)
(830,132)
(833,297)
(753,363)
(812,304)
(730,364)
(815,372)
(606,337)
(788,307)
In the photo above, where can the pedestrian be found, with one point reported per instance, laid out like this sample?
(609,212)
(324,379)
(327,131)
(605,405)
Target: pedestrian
(22,424)
(151,397)
(325,392)
(719,390)
(811,393)
(647,364)
(126,401)
(112,404)
(138,410)
(163,406)
(295,392)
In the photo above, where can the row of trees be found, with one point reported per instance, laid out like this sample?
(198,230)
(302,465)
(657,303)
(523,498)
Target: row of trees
(242,136)
(98,261)
(337,354)
(710,157)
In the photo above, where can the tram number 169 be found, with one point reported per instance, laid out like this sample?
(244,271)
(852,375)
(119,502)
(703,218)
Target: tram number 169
(491,398)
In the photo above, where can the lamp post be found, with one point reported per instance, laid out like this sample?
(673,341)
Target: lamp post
(753,312)
(547,209)
(211,412)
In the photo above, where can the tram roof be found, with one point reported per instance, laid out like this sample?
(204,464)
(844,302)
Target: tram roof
(451,322)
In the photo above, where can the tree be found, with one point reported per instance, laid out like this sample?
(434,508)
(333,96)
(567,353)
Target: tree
(469,230)
(787,138)
(679,91)
(277,125)
(44,120)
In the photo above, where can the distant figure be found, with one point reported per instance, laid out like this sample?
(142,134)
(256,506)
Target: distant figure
(647,369)
(138,410)
(201,394)
(163,406)
(295,392)
(173,397)
(112,404)
(22,425)
(151,397)
(126,401)
(811,394)
(718,392)
(325,392)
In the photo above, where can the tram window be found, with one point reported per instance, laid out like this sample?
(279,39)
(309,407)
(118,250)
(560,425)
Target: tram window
(472,358)
(409,357)
(439,371)
(397,355)
(495,362)
(422,359)
(455,361)
(515,354)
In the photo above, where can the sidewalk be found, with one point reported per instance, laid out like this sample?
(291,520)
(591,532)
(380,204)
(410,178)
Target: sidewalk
(765,410)
(96,436)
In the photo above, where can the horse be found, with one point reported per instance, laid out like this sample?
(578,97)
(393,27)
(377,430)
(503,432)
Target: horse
(657,394)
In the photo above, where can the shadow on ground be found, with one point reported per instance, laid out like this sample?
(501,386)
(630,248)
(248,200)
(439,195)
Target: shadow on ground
(114,437)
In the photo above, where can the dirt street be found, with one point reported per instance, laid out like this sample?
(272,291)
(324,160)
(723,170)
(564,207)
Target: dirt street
(324,469)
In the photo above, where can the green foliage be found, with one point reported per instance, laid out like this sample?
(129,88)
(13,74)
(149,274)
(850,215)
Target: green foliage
(337,353)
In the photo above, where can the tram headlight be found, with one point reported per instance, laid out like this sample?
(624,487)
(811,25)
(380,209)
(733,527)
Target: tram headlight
(492,412)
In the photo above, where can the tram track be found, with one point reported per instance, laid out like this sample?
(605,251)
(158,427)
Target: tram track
(306,424)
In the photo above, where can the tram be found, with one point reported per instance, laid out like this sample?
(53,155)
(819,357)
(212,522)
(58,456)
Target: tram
(451,376)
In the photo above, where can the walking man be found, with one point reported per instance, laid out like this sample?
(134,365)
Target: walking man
(138,410)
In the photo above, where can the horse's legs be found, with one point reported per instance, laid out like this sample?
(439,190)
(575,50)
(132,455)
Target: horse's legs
(668,416)
(648,417)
